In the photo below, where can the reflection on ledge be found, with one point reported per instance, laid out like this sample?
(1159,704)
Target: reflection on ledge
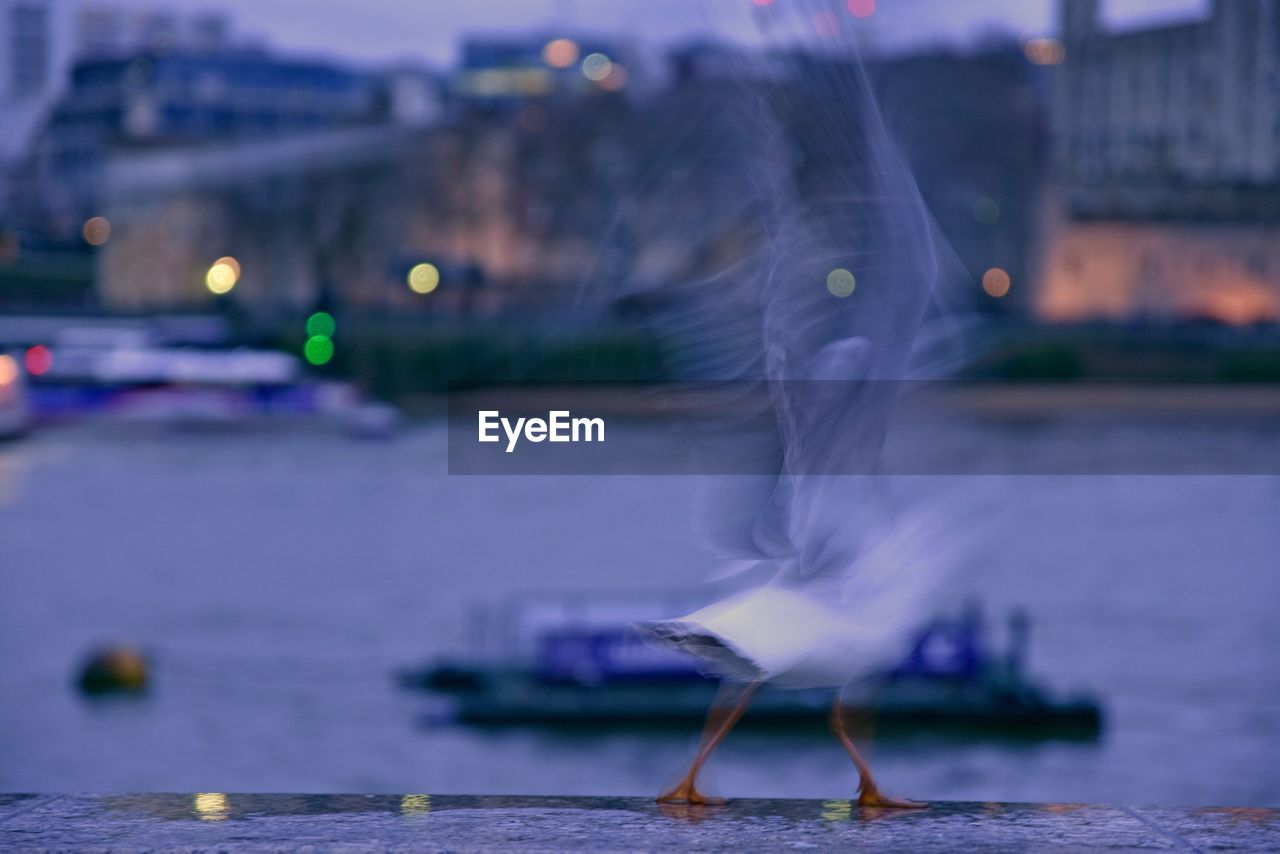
(457,821)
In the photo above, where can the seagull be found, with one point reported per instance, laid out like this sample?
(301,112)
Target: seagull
(811,332)
(799,630)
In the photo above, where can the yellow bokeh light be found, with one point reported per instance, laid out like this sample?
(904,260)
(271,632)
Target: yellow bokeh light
(841,283)
(212,806)
(996,282)
(424,278)
(560,53)
(596,66)
(97,230)
(222,275)
(230,262)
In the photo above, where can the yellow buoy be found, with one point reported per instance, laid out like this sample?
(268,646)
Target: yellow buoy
(115,669)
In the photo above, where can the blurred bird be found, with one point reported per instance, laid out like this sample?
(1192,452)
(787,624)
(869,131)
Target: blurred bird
(815,328)
(806,631)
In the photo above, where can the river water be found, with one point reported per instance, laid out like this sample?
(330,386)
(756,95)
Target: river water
(279,576)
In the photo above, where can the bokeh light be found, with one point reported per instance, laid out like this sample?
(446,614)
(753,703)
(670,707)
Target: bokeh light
(596,66)
(38,360)
(615,79)
(560,53)
(424,278)
(8,369)
(862,8)
(318,350)
(222,275)
(321,323)
(841,283)
(1045,51)
(996,282)
(97,230)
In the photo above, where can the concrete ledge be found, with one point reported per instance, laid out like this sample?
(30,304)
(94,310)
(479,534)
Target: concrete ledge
(417,822)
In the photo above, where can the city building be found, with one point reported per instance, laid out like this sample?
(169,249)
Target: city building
(34,54)
(176,97)
(509,217)
(106,30)
(506,72)
(1197,101)
(1166,167)
(26,48)
(310,219)
(40,40)
(557,205)
(972,125)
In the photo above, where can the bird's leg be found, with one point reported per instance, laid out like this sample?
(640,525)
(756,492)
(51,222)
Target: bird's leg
(720,719)
(868,794)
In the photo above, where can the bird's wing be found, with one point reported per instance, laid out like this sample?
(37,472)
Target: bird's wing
(816,322)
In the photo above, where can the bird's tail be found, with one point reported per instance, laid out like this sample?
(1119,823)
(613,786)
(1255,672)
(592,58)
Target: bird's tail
(716,656)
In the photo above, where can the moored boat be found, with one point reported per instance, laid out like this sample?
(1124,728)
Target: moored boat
(596,671)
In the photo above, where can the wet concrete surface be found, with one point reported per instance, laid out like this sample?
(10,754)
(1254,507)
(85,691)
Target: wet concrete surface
(460,823)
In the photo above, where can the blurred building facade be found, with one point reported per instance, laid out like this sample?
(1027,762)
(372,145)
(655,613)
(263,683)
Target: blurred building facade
(974,128)
(302,214)
(562,200)
(506,72)
(515,213)
(26,34)
(174,97)
(105,30)
(41,40)
(96,82)
(1197,101)
(1166,167)
(34,53)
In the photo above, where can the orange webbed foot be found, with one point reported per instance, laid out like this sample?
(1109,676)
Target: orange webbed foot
(685,793)
(870,796)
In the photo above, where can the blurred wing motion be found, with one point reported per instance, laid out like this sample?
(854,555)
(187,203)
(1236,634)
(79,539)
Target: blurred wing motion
(829,631)
(811,332)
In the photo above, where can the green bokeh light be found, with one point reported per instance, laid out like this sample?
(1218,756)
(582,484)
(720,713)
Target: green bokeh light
(841,283)
(322,324)
(318,349)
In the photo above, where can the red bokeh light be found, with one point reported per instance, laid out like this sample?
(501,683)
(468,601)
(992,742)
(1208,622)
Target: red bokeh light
(38,360)
(862,8)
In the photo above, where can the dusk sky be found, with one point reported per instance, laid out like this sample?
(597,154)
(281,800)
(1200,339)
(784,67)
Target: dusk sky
(379,30)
